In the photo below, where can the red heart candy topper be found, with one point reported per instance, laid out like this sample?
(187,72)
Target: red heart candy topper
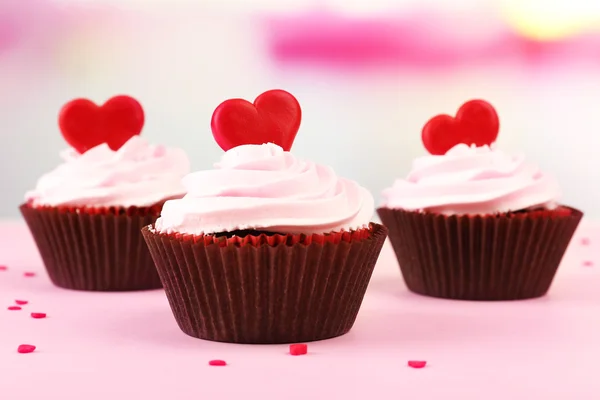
(476,123)
(274,117)
(85,125)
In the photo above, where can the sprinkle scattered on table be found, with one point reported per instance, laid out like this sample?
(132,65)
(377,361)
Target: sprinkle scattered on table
(298,349)
(14,308)
(29,274)
(217,363)
(417,364)
(585,241)
(21,302)
(26,348)
(38,315)
(3,267)
(588,263)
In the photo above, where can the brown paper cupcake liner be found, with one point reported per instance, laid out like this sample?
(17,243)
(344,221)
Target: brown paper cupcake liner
(98,249)
(491,257)
(265,290)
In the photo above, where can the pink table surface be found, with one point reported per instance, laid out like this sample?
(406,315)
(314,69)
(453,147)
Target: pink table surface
(97,346)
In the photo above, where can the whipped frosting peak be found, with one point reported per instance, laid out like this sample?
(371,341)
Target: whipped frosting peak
(266,188)
(138,174)
(473,180)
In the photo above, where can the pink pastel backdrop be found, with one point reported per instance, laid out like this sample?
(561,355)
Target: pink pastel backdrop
(367,81)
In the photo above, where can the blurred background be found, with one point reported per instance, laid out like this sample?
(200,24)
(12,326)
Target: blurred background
(368,74)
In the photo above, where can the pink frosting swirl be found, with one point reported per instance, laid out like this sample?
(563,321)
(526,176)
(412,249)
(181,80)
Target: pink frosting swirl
(138,174)
(472,180)
(263,187)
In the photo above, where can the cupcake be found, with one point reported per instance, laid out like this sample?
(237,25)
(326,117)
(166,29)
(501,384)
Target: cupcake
(266,247)
(87,214)
(471,222)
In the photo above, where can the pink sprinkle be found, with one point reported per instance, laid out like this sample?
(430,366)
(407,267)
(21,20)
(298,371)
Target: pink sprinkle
(585,241)
(417,364)
(21,302)
(588,263)
(29,274)
(26,348)
(298,349)
(14,308)
(217,363)
(3,267)
(38,315)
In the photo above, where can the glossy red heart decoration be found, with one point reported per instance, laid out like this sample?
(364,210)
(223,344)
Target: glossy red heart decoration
(476,123)
(85,125)
(273,118)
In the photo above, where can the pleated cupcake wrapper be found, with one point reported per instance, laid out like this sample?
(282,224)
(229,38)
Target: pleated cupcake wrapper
(495,257)
(97,249)
(273,291)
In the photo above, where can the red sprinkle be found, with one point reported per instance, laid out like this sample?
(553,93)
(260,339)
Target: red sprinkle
(585,241)
(217,363)
(588,263)
(29,274)
(21,302)
(298,349)
(26,348)
(38,315)
(3,267)
(417,364)
(14,308)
